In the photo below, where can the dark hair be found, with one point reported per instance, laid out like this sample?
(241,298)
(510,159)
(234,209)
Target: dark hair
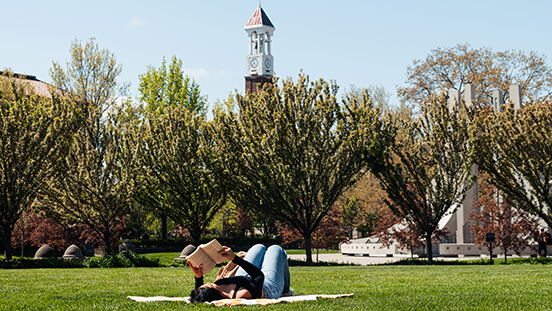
(205,294)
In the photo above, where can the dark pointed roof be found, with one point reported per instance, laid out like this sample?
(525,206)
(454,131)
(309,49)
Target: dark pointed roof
(259,18)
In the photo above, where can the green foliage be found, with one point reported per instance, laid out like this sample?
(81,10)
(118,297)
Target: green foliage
(161,88)
(531,261)
(427,168)
(96,185)
(35,134)
(164,87)
(292,151)
(182,174)
(515,148)
(123,260)
(27,263)
(91,74)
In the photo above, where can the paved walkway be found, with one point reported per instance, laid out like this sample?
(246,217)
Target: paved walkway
(362,260)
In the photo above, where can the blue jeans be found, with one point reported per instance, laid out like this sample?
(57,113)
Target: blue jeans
(273,263)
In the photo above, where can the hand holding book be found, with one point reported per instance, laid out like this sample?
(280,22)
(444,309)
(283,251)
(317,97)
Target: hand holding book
(227,253)
(206,256)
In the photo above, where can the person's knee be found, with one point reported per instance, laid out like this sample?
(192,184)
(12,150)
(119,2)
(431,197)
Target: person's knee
(277,251)
(257,248)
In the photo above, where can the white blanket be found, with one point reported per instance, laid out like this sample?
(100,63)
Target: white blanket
(242,302)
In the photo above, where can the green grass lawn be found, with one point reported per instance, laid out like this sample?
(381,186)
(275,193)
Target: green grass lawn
(479,287)
(167,258)
(302,251)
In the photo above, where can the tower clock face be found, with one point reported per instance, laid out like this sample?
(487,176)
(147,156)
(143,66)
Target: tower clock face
(254,63)
(268,63)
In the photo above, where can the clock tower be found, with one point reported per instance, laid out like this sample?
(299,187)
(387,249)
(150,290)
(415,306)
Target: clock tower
(260,63)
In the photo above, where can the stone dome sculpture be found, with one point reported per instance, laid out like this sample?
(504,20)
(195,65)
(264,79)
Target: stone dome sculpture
(127,246)
(73,252)
(188,250)
(45,252)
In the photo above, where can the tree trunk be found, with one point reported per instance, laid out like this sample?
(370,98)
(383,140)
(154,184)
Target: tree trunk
(22,243)
(308,247)
(429,247)
(7,244)
(107,242)
(196,236)
(163,225)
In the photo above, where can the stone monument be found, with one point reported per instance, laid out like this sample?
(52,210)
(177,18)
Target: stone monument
(127,246)
(45,252)
(185,252)
(73,252)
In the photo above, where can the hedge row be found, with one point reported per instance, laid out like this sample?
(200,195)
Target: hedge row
(123,260)
(241,244)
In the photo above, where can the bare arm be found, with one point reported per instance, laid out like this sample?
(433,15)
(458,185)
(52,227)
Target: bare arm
(198,273)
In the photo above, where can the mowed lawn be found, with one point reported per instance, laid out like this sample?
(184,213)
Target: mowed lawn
(497,287)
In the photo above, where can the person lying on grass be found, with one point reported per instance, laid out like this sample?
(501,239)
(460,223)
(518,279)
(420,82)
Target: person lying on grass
(263,273)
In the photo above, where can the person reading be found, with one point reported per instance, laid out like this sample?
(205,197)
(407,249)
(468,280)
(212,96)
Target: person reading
(207,255)
(263,273)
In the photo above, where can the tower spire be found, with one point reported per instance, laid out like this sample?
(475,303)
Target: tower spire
(260,61)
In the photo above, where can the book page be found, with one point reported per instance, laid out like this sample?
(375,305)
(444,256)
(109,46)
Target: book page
(200,257)
(212,248)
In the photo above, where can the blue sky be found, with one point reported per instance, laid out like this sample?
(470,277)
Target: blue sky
(354,42)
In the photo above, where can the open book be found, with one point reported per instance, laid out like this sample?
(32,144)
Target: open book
(207,255)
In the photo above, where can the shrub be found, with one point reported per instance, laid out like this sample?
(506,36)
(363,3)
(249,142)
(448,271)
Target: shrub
(124,260)
(27,263)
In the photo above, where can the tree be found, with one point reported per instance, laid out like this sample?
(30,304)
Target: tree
(446,68)
(91,75)
(292,151)
(328,235)
(363,204)
(237,223)
(182,171)
(515,149)
(163,87)
(99,173)
(331,232)
(35,134)
(98,177)
(512,227)
(59,234)
(393,229)
(426,171)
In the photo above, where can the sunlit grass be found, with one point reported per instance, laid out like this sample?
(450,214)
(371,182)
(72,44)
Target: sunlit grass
(167,258)
(479,287)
